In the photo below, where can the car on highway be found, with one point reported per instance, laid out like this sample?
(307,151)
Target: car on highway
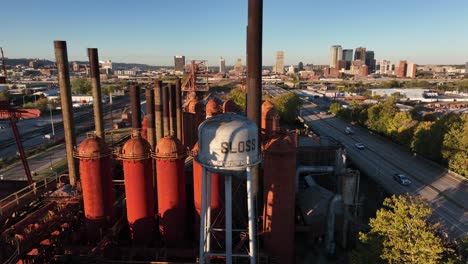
(401,179)
(349,130)
(360,146)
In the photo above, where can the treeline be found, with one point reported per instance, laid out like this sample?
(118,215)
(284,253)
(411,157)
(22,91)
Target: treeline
(442,139)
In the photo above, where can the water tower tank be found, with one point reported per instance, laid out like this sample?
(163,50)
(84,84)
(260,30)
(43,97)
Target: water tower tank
(228,143)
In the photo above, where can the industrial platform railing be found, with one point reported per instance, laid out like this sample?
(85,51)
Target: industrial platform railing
(26,192)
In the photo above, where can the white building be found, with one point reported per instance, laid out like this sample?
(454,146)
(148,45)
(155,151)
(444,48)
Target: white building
(222,65)
(336,54)
(385,67)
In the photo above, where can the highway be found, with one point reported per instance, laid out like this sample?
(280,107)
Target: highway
(446,192)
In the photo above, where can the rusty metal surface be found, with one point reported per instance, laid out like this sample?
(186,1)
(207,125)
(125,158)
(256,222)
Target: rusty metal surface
(61,57)
(135,106)
(96,90)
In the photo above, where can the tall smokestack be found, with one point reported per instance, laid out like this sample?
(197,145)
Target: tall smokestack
(149,93)
(158,109)
(96,86)
(254,69)
(172,110)
(61,58)
(178,103)
(135,106)
(165,103)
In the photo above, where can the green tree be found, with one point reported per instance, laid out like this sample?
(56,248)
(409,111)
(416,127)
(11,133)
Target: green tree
(81,86)
(4,95)
(295,80)
(400,128)
(239,97)
(402,230)
(335,108)
(288,106)
(455,146)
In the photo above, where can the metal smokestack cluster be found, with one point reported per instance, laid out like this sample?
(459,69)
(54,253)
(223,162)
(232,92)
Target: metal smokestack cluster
(150,122)
(61,57)
(158,108)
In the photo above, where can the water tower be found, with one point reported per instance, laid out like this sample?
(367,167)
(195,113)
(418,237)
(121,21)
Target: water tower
(228,145)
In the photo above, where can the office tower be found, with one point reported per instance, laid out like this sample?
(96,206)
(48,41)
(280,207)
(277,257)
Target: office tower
(348,57)
(222,65)
(238,67)
(336,54)
(107,64)
(385,67)
(300,66)
(466,68)
(401,69)
(411,70)
(370,61)
(179,63)
(279,67)
(360,54)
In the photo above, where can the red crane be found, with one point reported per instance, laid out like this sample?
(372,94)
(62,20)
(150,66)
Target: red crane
(11,113)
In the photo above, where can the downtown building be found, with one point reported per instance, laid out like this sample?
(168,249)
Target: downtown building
(405,69)
(348,57)
(385,67)
(336,54)
(179,63)
(279,66)
(222,65)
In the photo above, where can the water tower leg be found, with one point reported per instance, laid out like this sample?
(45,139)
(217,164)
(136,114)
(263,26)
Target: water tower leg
(208,211)
(228,198)
(202,218)
(251,212)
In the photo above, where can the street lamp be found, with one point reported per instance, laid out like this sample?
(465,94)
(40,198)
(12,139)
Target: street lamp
(51,120)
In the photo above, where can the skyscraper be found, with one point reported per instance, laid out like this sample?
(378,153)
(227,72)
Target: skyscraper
(400,70)
(348,57)
(238,66)
(279,67)
(370,61)
(466,68)
(411,70)
(336,54)
(360,54)
(222,65)
(179,63)
(385,67)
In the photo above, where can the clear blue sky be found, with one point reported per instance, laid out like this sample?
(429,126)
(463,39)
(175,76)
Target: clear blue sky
(152,32)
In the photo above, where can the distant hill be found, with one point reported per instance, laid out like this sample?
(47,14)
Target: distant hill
(116,65)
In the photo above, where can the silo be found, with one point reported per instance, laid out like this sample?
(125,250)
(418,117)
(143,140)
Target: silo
(279,172)
(217,190)
(138,177)
(170,157)
(270,118)
(212,108)
(96,181)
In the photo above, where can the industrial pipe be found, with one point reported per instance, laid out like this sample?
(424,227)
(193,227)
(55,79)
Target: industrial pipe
(178,103)
(314,169)
(67,110)
(135,106)
(330,236)
(96,89)
(149,93)
(158,109)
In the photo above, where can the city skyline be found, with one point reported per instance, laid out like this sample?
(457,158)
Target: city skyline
(425,32)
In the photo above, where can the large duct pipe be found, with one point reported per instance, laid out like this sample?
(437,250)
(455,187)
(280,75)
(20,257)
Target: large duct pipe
(254,71)
(96,86)
(178,103)
(165,103)
(149,93)
(311,169)
(158,109)
(135,106)
(173,110)
(67,110)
